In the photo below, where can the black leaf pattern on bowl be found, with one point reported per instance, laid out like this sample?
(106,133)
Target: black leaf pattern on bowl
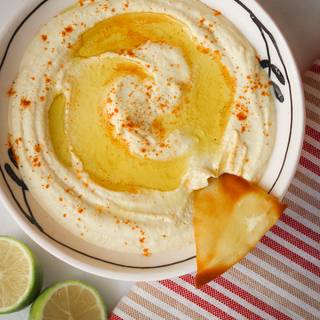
(277,72)
(265,63)
(278,92)
(12,157)
(27,213)
(14,177)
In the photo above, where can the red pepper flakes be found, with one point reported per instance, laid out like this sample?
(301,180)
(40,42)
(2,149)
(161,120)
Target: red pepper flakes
(241,111)
(130,53)
(105,7)
(216,13)
(64,215)
(49,63)
(265,94)
(18,140)
(201,21)
(243,128)
(35,161)
(126,5)
(47,79)
(158,128)
(142,239)
(113,10)
(81,210)
(33,78)
(163,105)
(68,29)
(146,252)
(241,116)
(11,92)
(203,49)
(163,145)
(44,37)
(60,199)
(37,148)
(130,125)
(42,98)
(25,103)
(81,3)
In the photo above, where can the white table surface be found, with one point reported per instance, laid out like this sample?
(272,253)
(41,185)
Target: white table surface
(300,23)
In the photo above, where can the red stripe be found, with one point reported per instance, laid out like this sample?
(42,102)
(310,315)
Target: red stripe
(291,255)
(195,299)
(315,68)
(300,227)
(313,133)
(311,149)
(309,165)
(303,212)
(223,299)
(251,298)
(114,317)
(295,241)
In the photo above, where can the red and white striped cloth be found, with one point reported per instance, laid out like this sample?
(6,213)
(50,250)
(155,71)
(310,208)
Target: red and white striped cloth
(279,279)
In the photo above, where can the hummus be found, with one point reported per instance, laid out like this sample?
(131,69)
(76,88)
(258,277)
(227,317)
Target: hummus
(122,109)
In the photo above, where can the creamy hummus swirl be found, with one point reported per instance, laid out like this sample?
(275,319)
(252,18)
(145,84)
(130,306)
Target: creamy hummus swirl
(143,104)
(113,140)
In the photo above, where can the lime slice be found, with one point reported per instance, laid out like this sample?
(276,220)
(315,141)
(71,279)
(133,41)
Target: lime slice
(69,300)
(20,275)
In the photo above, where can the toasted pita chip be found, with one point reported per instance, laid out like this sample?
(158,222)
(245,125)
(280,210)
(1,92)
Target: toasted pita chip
(230,217)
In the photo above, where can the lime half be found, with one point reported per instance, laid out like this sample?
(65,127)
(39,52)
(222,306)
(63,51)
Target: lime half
(20,276)
(69,300)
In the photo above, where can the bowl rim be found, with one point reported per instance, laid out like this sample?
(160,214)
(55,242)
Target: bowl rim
(162,272)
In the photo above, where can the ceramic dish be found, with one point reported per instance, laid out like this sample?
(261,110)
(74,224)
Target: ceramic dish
(273,50)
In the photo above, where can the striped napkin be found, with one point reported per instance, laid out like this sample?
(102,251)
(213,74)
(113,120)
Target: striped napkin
(280,279)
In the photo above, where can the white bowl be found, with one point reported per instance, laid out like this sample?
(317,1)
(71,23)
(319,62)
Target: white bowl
(259,28)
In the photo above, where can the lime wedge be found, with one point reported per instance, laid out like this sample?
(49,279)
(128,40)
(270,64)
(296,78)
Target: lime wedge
(69,300)
(20,275)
